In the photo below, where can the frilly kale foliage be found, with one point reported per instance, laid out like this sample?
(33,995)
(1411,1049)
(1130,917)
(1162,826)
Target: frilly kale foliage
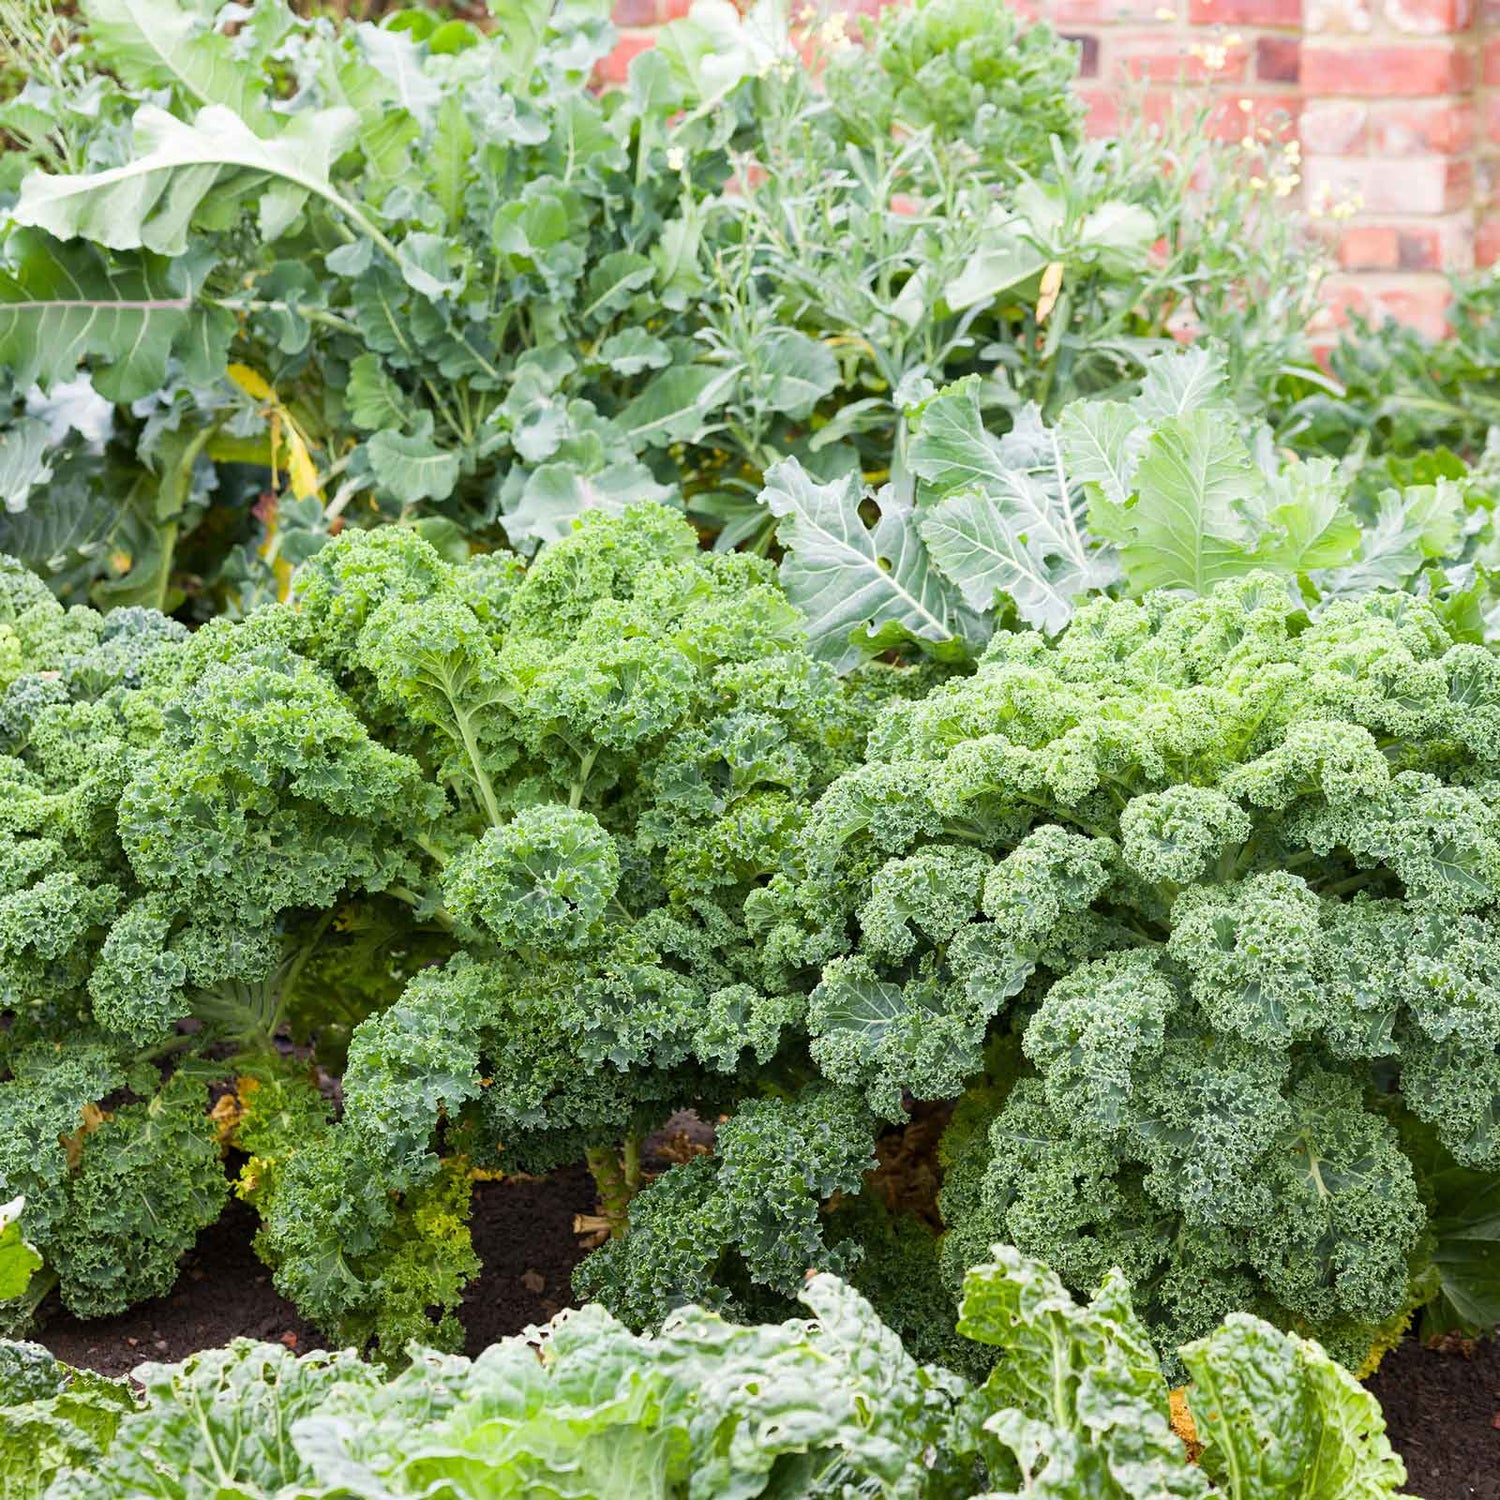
(1191,910)
(828,1403)
(1229,874)
(544,792)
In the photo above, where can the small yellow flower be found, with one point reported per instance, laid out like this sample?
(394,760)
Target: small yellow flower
(676,159)
(1257,183)
(1165,13)
(834,32)
(1246,105)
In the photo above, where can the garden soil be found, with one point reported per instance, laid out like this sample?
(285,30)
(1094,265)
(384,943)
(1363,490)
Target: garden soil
(1442,1409)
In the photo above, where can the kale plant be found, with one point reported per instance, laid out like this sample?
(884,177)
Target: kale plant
(1193,909)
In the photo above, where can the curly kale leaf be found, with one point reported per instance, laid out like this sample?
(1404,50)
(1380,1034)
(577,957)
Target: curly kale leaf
(264,791)
(149,1178)
(755,1203)
(541,882)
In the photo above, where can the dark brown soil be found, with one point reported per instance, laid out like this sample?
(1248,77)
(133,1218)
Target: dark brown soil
(1441,1412)
(523,1231)
(1441,1409)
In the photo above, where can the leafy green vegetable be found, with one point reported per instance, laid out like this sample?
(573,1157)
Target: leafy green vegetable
(1169,851)
(18,1259)
(824,1403)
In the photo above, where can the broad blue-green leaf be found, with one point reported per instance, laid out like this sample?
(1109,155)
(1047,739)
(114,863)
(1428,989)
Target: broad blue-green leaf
(431,265)
(632,350)
(397,59)
(23,461)
(847,578)
(1411,526)
(1101,441)
(1179,382)
(1282,1421)
(555,495)
(374,399)
(1312,525)
(796,372)
(714,47)
(1196,517)
(1015,542)
(614,281)
(412,468)
(155,42)
(1004,262)
(180,170)
(127,314)
(1118,236)
(999,531)
(674,407)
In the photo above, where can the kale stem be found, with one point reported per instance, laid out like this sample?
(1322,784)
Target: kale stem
(614,1190)
(581,781)
(486,787)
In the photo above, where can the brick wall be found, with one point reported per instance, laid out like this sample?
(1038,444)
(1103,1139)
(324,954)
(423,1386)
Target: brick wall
(1396,104)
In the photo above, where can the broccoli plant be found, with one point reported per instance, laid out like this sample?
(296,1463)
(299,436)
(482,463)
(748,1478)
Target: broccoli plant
(1195,909)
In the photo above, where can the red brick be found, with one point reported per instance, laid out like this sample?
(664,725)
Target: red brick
(1278,59)
(1369,247)
(1376,71)
(616,67)
(1245,12)
(1418,302)
(1103,106)
(1429,17)
(1276,113)
(1419,250)
(1102,12)
(1334,128)
(636,13)
(1412,129)
(1492,118)
(1088,52)
(1487,242)
(1424,185)
(1492,60)
(1330,17)
(1342,297)
(1164,57)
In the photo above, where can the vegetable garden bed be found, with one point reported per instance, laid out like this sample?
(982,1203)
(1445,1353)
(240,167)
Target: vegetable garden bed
(529,611)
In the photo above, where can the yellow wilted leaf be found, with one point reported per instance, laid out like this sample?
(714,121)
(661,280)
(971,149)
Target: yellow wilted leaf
(1182,1422)
(300,468)
(93,1117)
(1051,286)
(252,383)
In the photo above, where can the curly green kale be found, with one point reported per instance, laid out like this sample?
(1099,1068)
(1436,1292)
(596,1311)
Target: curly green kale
(625,739)
(1237,891)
